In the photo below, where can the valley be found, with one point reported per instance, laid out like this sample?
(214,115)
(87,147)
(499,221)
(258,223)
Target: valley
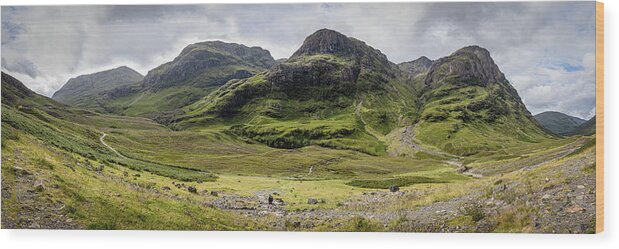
(334,138)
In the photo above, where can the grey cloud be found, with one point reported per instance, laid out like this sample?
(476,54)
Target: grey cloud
(21,65)
(531,42)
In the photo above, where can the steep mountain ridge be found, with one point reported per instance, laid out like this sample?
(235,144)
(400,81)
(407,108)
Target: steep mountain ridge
(467,99)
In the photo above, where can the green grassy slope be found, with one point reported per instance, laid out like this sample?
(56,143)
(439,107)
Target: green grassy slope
(347,98)
(467,112)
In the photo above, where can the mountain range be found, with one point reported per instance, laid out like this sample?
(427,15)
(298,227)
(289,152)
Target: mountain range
(223,137)
(335,91)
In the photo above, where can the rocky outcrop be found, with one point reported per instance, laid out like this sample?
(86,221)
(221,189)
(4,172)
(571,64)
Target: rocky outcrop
(326,41)
(471,65)
(316,78)
(328,65)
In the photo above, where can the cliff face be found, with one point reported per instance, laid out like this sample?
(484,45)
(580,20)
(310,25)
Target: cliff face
(471,64)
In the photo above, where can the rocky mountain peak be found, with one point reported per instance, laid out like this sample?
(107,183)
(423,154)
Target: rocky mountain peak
(363,56)
(416,67)
(326,41)
(471,64)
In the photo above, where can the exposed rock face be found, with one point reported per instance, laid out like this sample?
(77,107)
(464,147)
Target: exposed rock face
(328,65)
(84,87)
(471,64)
(325,78)
(416,67)
(210,63)
(326,41)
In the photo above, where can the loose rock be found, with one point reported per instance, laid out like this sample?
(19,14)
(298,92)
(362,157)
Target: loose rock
(38,185)
(394,189)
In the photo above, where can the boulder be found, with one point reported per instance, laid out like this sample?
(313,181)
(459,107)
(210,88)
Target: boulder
(192,189)
(312,201)
(165,188)
(38,185)
(214,193)
(394,189)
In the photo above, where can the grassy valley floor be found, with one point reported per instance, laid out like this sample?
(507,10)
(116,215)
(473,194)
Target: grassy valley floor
(536,187)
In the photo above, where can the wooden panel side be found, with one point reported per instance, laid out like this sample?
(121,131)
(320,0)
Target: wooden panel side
(599,121)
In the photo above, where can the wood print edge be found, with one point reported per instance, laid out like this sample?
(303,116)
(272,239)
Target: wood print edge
(599,99)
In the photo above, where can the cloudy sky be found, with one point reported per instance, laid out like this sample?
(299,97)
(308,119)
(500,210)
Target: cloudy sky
(546,49)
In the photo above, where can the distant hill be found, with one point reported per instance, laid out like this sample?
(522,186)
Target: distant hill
(558,123)
(586,129)
(87,90)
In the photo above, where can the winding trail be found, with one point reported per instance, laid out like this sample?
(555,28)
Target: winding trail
(110,147)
